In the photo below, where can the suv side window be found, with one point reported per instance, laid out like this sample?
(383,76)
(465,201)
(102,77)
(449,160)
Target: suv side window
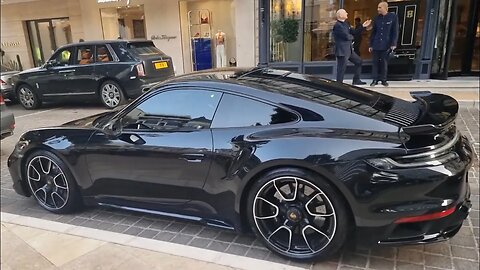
(174,110)
(236,111)
(103,54)
(84,55)
(64,57)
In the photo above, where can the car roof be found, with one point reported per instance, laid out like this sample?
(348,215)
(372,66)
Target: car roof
(302,86)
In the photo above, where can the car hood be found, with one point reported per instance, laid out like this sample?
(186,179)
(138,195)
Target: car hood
(90,121)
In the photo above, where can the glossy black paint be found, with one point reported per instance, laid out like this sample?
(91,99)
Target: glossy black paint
(82,81)
(205,174)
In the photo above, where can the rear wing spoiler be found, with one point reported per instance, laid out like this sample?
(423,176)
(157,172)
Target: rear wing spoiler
(438,113)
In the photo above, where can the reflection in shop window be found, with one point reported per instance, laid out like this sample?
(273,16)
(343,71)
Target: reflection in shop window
(123,22)
(285,19)
(320,17)
(364,10)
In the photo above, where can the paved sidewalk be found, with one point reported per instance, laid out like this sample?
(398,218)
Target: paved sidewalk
(31,243)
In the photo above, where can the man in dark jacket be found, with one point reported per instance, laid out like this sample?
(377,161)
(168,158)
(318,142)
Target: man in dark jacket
(343,36)
(383,39)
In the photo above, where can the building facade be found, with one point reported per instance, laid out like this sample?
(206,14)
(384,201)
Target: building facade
(33,29)
(438,38)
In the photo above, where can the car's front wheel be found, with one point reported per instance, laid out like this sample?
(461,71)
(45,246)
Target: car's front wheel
(27,97)
(297,214)
(111,94)
(51,183)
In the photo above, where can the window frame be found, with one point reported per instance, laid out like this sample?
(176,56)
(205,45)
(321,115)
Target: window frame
(255,99)
(77,50)
(72,49)
(152,94)
(113,57)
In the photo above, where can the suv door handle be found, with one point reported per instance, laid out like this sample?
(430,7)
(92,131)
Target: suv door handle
(67,71)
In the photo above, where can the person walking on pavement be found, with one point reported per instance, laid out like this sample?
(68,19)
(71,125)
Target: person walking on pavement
(383,39)
(357,37)
(343,35)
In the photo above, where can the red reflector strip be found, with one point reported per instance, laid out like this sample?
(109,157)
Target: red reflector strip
(426,217)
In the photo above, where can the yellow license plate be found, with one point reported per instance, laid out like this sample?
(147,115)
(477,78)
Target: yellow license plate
(160,65)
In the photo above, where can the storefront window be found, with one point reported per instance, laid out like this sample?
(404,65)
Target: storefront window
(364,10)
(46,36)
(123,22)
(285,38)
(476,49)
(320,17)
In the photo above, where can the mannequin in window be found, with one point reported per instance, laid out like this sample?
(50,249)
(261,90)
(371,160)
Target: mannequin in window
(220,49)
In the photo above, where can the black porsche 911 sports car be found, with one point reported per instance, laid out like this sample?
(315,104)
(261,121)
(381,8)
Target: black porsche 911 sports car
(305,163)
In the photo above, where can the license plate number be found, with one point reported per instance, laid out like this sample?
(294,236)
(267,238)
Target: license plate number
(160,65)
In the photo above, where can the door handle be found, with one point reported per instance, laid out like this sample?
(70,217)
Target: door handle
(67,71)
(132,138)
(194,158)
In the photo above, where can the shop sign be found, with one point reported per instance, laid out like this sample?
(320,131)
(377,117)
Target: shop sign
(7,44)
(162,37)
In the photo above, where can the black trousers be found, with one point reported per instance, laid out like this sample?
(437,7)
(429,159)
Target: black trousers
(342,66)
(380,65)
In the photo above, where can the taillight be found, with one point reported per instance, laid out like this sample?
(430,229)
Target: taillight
(426,217)
(2,82)
(2,101)
(140,70)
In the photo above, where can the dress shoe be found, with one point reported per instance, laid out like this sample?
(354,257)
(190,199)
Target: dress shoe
(374,83)
(358,83)
(385,83)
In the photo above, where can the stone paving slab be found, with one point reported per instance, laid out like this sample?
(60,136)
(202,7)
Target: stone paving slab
(461,252)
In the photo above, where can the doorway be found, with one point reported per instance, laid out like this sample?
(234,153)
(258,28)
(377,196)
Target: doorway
(46,36)
(457,49)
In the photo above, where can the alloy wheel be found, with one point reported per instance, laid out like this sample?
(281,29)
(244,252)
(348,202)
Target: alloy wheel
(48,182)
(294,216)
(111,95)
(26,97)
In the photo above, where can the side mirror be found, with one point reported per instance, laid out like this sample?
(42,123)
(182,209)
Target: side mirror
(113,128)
(51,63)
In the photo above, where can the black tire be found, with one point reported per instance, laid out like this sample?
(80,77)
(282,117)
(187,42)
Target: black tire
(111,94)
(337,222)
(67,199)
(27,97)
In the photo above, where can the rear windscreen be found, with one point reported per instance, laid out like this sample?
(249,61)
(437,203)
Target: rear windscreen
(144,48)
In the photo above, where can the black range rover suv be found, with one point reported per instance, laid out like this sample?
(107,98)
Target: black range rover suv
(109,71)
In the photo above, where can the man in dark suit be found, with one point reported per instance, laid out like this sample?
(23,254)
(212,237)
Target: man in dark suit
(343,35)
(383,39)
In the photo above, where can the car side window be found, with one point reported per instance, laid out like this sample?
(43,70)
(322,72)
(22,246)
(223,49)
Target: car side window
(63,57)
(103,55)
(174,110)
(84,55)
(236,111)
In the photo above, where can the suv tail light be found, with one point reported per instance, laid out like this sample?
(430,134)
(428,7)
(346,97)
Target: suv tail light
(140,70)
(2,82)
(2,101)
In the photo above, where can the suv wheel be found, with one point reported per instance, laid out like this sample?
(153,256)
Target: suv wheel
(111,94)
(27,97)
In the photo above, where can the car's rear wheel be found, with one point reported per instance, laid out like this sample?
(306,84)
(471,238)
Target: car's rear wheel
(297,214)
(51,183)
(111,94)
(27,97)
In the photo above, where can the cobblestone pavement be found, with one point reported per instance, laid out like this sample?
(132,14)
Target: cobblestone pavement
(461,252)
